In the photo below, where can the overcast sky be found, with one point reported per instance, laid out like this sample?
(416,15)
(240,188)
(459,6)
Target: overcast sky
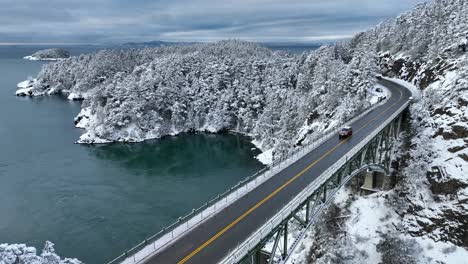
(117,21)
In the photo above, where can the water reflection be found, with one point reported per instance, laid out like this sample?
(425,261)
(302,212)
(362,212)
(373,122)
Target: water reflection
(177,155)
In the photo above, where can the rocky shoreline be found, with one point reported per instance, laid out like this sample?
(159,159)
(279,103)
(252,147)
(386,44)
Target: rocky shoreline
(49,55)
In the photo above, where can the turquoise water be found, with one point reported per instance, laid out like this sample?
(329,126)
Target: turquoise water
(93,202)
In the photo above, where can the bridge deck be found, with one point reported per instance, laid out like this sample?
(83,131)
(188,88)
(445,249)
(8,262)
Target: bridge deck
(211,241)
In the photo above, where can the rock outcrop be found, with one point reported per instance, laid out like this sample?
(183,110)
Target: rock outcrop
(49,55)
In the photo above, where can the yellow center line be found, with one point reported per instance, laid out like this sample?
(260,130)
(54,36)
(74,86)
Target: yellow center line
(366,124)
(245,214)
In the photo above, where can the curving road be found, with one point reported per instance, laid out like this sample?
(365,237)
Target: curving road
(212,240)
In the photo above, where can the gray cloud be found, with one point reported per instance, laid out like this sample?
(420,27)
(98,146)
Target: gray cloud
(182,20)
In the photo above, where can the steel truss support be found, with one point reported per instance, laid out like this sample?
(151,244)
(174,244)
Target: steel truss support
(275,246)
(285,240)
(374,156)
(298,219)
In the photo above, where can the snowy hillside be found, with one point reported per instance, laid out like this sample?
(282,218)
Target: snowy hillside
(134,95)
(423,217)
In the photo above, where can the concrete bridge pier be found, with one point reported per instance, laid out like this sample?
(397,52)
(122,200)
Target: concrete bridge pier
(373,182)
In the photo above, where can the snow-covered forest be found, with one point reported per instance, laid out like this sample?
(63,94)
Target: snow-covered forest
(138,94)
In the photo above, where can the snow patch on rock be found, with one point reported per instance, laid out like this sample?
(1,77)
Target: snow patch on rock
(266,157)
(33,58)
(26,88)
(20,253)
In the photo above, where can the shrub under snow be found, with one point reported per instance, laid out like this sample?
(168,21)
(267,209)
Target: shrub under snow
(22,254)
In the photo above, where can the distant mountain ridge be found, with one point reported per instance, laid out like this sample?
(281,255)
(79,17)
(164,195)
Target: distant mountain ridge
(156,43)
(271,45)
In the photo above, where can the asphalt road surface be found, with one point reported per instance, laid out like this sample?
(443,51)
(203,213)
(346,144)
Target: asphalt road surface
(212,240)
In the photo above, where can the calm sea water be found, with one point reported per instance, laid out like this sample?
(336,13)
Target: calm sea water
(93,202)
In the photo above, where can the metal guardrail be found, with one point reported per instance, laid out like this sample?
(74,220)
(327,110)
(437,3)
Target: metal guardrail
(171,233)
(241,250)
(344,181)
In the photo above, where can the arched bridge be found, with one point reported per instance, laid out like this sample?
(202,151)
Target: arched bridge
(235,226)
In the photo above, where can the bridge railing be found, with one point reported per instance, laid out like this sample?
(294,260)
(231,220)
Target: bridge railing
(235,255)
(197,216)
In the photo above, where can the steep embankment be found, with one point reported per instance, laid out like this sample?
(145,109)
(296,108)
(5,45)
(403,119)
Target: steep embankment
(435,173)
(424,217)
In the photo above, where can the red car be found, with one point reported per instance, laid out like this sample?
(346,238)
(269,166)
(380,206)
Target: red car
(345,132)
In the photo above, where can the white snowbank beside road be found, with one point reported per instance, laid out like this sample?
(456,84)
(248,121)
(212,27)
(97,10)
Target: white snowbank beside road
(22,254)
(416,93)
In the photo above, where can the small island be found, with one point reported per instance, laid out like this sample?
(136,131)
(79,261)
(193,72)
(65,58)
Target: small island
(49,55)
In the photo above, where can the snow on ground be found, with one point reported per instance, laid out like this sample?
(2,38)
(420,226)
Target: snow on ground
(378,93)
(22,254)
(25,88)
(74,96)
(442,130)
(90,137)
(24,91)
(266,157)
(370,218)
(453,164)
(315,128)
(416,93)
(32,58)
(83,118)
(440,252)
(372,233)
(25,84)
